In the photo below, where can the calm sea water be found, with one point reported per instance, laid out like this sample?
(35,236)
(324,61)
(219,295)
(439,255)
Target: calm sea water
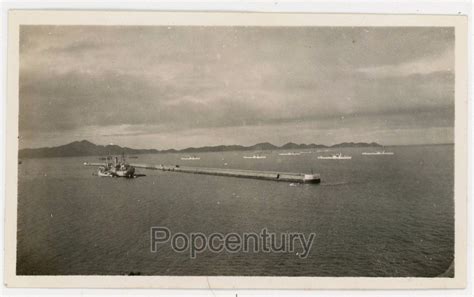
(372,215)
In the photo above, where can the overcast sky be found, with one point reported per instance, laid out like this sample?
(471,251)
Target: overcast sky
(176,87)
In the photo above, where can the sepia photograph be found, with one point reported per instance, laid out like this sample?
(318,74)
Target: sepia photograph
(199,147)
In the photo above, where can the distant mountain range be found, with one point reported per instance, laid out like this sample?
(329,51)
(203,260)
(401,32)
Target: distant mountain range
(87,148)
(81,148)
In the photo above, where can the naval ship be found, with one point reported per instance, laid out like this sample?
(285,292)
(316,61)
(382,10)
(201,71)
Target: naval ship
(115,168)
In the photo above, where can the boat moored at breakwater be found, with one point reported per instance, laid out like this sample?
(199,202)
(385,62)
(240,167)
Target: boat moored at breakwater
(113,167)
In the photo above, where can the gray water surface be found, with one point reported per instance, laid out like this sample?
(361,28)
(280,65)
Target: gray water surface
(372,215)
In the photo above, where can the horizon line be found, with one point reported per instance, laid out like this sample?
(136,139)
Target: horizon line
(216,145)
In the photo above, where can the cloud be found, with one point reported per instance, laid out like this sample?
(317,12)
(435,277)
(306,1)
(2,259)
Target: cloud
(133,82)
(424,65)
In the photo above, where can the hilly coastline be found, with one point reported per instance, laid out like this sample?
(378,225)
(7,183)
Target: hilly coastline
(87,148)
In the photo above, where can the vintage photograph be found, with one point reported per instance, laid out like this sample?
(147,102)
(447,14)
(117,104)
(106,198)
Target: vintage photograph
(236,150)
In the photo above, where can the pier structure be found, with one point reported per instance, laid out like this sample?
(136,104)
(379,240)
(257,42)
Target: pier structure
(267,175)
(254,174)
